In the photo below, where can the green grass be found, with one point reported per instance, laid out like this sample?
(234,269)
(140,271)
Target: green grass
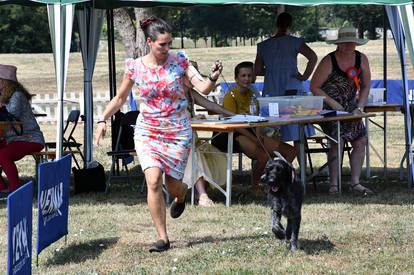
(342,235)
(352,235)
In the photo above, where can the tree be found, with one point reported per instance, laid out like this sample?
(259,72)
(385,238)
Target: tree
(24,30)
(126,21)
(364,18)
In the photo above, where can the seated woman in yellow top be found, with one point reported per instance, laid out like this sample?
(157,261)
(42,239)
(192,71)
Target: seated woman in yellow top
(237,100)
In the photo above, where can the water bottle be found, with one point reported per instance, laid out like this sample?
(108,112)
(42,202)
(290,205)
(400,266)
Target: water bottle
(254,106)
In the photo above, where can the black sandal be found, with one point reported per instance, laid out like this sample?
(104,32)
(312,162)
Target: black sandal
(160,246)
(176,209)
(360,190)
(333,190)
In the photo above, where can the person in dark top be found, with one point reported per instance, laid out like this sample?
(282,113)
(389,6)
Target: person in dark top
(344,78)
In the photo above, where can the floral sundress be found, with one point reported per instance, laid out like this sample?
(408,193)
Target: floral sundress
(341,88)
(163,131)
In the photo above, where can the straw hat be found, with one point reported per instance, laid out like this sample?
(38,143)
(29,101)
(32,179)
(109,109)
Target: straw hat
(8,72)
(347,34)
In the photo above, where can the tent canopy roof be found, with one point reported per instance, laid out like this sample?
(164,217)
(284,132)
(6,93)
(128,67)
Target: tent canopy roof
(150,3)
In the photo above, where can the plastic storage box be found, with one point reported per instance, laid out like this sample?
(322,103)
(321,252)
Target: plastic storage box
(292,105)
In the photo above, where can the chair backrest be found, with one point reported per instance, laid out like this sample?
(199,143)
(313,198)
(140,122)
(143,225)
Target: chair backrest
(72,121)
(125,139)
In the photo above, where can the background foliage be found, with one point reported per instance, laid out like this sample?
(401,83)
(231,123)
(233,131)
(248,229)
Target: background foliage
(24,29)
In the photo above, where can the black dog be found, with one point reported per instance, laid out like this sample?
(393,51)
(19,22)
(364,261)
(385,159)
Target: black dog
(285,195)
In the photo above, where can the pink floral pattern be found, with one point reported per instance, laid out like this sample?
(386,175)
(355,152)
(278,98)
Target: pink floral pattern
(163,132)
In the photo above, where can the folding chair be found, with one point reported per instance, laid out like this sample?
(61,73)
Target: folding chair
(322,147)
(69,142)
(124,148)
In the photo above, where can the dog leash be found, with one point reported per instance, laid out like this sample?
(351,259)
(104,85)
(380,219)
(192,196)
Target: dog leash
(254,130)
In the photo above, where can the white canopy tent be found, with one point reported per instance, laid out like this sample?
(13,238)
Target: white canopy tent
(61,14)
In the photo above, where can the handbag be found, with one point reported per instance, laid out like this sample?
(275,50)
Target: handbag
(6,116)
(90,179)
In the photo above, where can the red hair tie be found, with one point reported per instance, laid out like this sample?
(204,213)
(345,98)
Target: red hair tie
(145,22)
(353,73)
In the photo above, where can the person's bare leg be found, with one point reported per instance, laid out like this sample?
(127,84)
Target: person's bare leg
(201,186)
(357,159)
(176,188)
(204,199)
(156,203)
(287,150)
(333,166)
(254,151)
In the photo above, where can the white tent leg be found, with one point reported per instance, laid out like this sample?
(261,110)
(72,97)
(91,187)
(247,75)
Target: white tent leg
(60,24)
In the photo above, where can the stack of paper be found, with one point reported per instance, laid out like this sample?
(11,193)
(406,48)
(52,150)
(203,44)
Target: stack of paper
(244,118)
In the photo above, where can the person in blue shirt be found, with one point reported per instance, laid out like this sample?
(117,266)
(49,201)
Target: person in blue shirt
(276,60)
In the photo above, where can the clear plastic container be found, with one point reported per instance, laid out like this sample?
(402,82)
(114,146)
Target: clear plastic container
(376,96)
(292,105)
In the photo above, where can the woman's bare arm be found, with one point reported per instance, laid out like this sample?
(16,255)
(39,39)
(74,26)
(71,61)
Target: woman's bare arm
(319,77)
(310,55)
(209,105)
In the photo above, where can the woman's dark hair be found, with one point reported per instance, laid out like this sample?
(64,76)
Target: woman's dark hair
(153,26)
(284,21)
(10,87)
(244,64)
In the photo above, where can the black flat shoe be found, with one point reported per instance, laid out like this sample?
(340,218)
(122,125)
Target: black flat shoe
(159,246)
(176,209)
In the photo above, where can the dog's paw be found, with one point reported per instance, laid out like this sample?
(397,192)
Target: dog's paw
(279,233)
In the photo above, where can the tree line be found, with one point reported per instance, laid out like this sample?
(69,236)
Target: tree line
(25,29)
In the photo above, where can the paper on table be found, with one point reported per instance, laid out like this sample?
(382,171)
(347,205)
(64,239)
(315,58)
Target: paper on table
(273,109)
(244,118)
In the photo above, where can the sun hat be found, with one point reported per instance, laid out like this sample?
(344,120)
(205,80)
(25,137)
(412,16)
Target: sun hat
(8,72)
(348,34)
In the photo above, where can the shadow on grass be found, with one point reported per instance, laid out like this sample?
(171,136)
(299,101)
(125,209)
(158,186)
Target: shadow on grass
(216,239)
(387,191)
(315,247)
(81,252)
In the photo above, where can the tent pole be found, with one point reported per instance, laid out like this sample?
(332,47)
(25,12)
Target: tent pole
(384,39)
(111,57)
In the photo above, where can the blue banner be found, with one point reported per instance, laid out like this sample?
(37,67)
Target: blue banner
(20,224)
(394,89)
(53,201)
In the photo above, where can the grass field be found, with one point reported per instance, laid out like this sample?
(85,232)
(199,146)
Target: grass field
(36,71)
(340,235)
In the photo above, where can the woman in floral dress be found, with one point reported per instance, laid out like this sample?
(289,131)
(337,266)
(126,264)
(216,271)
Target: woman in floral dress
(163,132)
(332,81)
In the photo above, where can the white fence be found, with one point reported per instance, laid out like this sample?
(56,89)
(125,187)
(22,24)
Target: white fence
(47,104)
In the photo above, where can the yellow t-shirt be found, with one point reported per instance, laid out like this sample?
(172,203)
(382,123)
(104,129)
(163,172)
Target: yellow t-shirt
(239,104)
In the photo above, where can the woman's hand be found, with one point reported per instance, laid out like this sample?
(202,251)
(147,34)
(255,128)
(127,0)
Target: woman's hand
(357,111)
(216,70)
(100,133)
(337,106)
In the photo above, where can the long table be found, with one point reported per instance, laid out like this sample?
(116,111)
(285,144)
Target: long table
(230,128)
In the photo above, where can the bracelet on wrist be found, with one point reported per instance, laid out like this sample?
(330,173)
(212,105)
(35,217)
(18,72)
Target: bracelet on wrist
(212,79)
(101,121)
